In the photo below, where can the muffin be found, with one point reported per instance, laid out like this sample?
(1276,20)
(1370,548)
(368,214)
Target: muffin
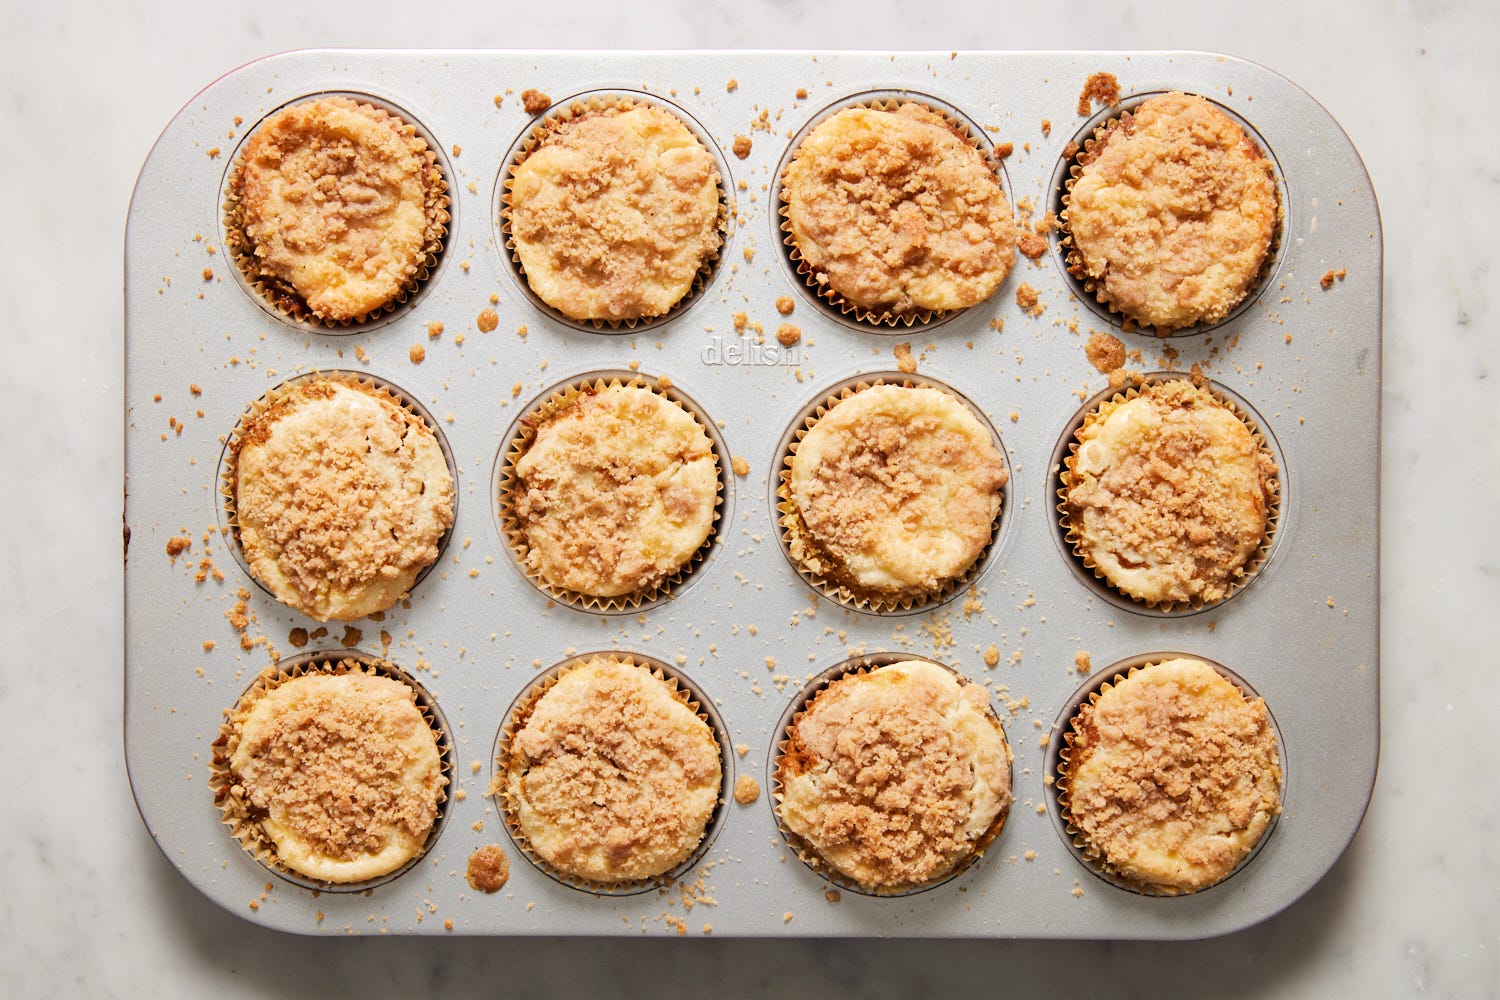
(335,774)
(894,778)
(609,775)
(892,213)
(1168,496)
(614,212)
(612,491)
(1171,777)
(1171,214)
(892,494)
(339,496)
(336,210)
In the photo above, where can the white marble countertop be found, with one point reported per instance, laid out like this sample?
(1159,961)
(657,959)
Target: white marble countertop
(93,909)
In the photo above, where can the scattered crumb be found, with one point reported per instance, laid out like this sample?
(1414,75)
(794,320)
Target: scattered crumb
(177,546)
(487,320)
(740,465)
(741,146)
(1081,661)
(746,790)
(991,655)
(1105,352)
(833,895)
(208,274)
(1046,126)
(904,360)
(1004,149)
(785,305)
(732,85)
(787,335)
(1032,246)
(489,868)
(741,749)
(418,354)
(298,637)
(434,329)
(533,100)
(213,153)
(1028,299)
(1328,279)
(1100,87)
(786,917)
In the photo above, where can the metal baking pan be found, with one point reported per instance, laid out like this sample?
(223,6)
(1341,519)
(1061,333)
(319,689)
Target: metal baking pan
(1306,358)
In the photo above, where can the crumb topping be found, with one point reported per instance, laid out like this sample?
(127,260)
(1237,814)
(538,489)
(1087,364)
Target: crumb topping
(488,869)
(1105,352)
(896,490)
(342,771)
(896,776)
(534,101)
(897,213)
(1168,494)
(340,205)
(1101,87)
(341,497)
(612,777)
(1173,213)
(613,215)
(746,790)
(616,492)
(1173,775)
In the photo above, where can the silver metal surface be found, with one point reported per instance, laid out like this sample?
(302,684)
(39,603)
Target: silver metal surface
(748,631)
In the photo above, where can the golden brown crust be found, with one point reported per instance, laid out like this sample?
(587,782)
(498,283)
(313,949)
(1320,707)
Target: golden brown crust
(340,770)
(610,776)
(615,213)
(1172,214)
(894,491)
(340,497)
(615,492)
(1168,494)
(1172,776)
(896,776)
(897,213)
(339,208)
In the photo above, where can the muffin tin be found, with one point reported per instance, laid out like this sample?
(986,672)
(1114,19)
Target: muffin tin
(1305,357)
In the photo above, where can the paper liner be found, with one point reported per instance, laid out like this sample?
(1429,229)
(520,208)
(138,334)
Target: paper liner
(611,103)
(807,853)
(1095,136)
(793,534)
(1059,757)
(283,300)
(814,278)
(237,815)
(228,515)
(686,692)
(1099,407)
(557,400)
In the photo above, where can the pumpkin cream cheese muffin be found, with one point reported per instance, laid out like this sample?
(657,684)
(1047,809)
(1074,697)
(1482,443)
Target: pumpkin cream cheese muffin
(895,777)
(340,208)
(1172,777)
(610,777)
(341,771)
(897,214)
(340,496)
(615,213)
(1172,213)
(1168,494)
(894,492)
(615,493)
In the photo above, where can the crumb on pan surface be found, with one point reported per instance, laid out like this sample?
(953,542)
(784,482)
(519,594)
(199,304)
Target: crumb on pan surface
(1173,776)
(616,492)
(1169,494)
(896,776)
(613,215)
(1173,213)
(341,497)
(897,213)
(612,777)
(342,771)
(896,490)
(340,203)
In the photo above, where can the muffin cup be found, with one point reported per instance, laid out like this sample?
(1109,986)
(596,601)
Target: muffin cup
(506,482)
(1087,145)
(812,279)
(227,509)
(283,301)
(236,814)
(793,534)
(1059,754)
(805,852)
(609,103)
(685,691)
(1091,575)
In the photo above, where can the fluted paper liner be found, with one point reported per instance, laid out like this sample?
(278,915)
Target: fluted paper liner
(1097,136)
(1064,735)
(229,525)
(1100,407)
(241,819)
(808,854)
(284,300)
(520,712)
(558,400)
(612,103)
(794,535)
(814,278)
